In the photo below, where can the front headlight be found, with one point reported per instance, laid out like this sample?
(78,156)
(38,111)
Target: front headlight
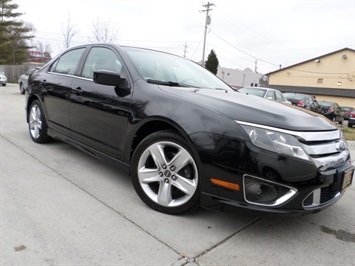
(276,142)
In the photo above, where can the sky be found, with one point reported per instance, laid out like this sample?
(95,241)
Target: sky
(255,34)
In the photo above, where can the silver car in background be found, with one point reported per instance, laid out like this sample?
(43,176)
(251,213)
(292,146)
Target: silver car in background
(23,80)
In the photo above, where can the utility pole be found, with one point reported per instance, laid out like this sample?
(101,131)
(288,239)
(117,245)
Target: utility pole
(256,66)
(207,22)
(185,49)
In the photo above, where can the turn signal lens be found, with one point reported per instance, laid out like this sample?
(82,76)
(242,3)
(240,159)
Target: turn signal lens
(225,184)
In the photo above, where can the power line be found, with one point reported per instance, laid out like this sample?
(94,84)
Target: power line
(242,50)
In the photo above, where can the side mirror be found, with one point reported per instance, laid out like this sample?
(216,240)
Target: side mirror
(110,78)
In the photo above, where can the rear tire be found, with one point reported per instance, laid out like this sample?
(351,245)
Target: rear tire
(22,89)
(37,124)
(165,174)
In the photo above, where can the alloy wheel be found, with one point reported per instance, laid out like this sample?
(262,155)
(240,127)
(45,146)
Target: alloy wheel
(35,120)
(167,174)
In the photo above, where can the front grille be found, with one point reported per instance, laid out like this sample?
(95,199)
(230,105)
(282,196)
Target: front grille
(327,194)
(281,191)
(328,152)
(320,196)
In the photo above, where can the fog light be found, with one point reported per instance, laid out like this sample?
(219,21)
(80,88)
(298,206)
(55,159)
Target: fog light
(253,191)
(260,193)
(266,193)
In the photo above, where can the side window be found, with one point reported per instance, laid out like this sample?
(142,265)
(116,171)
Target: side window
(101,58)
(68,62)
(271,95)
(279,96)
(315,104)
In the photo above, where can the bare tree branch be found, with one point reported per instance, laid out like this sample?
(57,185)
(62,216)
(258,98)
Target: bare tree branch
(104,31)
(69,31)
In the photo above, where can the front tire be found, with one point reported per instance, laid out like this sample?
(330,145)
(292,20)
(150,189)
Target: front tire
(165,173)
(37,124)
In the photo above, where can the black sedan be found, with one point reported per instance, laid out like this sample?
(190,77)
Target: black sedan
(332,111)
(304,101)
(347,111)
(185,136)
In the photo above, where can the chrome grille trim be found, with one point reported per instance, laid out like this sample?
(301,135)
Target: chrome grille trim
(324,148)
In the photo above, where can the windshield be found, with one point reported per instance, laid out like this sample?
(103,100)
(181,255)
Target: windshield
(166,69)
(299,97)
(326,104)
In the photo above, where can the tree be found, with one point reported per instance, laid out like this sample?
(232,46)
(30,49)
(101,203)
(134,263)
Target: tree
(68,31)
(103,31)
(264,81)
(13,34)
(212,62)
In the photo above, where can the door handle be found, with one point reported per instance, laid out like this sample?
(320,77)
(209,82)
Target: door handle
(78,91)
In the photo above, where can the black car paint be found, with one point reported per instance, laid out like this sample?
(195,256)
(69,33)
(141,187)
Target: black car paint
(97,119)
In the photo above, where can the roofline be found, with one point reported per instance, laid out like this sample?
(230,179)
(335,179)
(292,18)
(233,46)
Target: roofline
(309,60)
(315,90)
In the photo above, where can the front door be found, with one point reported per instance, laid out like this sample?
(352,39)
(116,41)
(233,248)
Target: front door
(98,115)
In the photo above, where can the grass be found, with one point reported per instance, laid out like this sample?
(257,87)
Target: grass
(349,133)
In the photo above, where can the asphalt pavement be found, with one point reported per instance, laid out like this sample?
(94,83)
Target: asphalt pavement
(59,206)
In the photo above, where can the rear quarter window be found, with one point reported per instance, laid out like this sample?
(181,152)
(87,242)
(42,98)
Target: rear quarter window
(68,62)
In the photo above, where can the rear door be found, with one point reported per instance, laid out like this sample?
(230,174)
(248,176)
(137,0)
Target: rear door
(56,87)
(99,114)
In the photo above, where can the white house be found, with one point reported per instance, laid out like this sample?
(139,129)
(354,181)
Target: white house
(239,78)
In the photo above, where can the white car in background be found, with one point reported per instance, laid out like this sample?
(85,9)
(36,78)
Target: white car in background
(3,79)
(267,93)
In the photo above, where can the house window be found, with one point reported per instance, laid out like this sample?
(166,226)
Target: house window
(320,81)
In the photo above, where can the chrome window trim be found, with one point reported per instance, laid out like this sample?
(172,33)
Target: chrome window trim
(70,76)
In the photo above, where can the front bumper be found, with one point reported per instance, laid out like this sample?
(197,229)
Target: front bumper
(303,197)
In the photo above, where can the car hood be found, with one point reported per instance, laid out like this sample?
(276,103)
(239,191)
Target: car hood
(253,109)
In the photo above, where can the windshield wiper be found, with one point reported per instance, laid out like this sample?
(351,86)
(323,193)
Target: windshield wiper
(221,89)
(167,83)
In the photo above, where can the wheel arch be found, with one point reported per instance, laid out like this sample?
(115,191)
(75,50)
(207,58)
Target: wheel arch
(30,100)
(154,125)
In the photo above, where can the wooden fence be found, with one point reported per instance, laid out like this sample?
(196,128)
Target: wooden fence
(13,72)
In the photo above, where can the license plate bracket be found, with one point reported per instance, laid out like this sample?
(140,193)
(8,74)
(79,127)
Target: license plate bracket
(348,178)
